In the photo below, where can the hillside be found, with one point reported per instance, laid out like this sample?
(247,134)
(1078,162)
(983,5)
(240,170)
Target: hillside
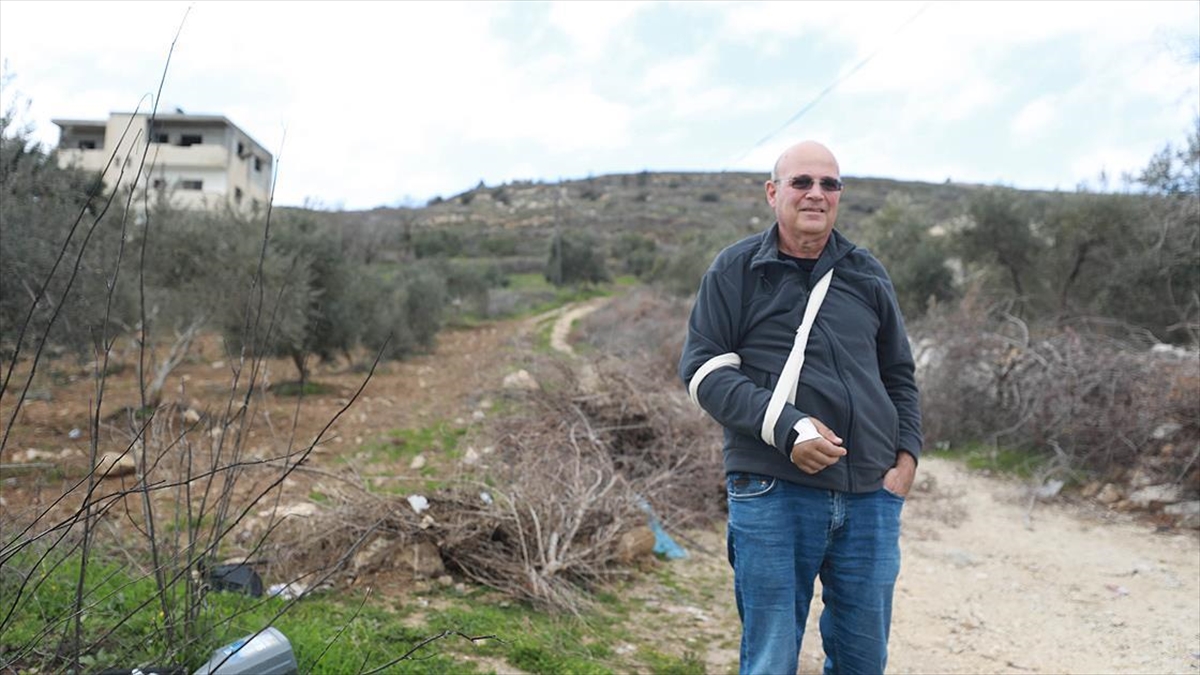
(520,216)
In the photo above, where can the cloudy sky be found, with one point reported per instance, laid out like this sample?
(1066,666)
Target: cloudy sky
(385,103)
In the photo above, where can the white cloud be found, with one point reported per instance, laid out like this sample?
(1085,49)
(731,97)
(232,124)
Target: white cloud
(590,24)
(422,98)
(1036,117)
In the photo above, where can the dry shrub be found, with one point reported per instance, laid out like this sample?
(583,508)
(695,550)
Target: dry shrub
(1086,399)
(551,526)
(660,440)
(543,524)
(655,433)
(544,517)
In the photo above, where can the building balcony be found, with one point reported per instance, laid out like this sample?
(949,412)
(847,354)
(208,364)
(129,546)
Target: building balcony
(160,155)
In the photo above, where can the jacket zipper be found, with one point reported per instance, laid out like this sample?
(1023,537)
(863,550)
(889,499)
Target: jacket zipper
(837,366)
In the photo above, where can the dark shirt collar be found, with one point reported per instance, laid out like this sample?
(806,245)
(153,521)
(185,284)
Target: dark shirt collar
(835,249)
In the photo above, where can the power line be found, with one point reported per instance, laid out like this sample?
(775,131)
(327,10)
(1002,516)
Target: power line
(827,90)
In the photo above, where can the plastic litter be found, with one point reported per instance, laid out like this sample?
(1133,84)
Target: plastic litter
(286,591)
(664,545)
(239,578)
(418,503)
(145,670)
(268,653)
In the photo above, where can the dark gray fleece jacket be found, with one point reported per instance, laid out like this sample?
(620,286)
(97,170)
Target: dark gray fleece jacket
(858,375)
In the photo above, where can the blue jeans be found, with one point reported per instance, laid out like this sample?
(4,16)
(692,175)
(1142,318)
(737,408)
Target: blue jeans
(781,537)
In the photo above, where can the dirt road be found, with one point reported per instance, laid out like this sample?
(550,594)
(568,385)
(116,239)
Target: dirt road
(981,591)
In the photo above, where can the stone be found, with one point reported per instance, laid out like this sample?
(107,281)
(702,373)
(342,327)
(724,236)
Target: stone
(1109,494)
(191,416)
(1186,513)
(417,463)
(299,510)
(1155,495)
(115,465)
(1165,430)
(521,380)
(372,556)
(424,559)
(33,455)
(635,544)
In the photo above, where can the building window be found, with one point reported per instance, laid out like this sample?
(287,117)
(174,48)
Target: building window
(159,184)
(191,184)
(162,138)
(190,139)
(241,150)
(87,145)
(237,195)
(257,164)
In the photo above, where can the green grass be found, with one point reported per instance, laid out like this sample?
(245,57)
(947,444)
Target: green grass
(545,296)
(403,444)
(309,389)
(999,460)
(334,632)
(534,642)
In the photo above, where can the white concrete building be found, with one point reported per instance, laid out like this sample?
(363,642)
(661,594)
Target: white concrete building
(198,161)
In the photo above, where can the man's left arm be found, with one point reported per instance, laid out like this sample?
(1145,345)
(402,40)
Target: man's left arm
(898,371)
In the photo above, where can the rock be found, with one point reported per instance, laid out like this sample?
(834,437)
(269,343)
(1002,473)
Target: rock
(471,456)
(589,380)
(1139,479)
(1090,490)
(1155,495)
(372,556)
(1050,489)
(417,463)
(424,559)
(520,381)
(1109,494)
(299,510)
(445,581)
(115,464)
(635,544)
(191,416)
(1165,430)
(1186,513)
(33,455)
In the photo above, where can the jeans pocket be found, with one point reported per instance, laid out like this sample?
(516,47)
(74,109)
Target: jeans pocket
(745,485)
(891,494)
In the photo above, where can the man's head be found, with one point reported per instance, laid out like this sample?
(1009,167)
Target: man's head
(804,191)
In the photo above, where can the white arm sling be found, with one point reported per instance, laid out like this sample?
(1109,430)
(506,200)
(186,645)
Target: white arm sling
(785,388)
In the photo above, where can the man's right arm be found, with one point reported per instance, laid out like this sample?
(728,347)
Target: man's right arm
(710,364)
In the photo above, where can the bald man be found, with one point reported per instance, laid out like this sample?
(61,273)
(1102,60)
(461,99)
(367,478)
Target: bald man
(797,347)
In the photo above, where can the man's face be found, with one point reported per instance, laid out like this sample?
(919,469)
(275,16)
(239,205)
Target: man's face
(804,208)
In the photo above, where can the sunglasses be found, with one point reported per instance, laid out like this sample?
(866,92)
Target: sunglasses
(805,182)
